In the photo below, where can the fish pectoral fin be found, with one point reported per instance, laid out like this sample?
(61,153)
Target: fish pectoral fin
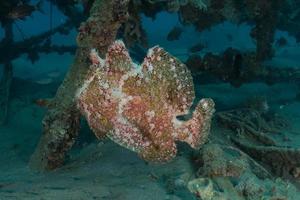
(127,135)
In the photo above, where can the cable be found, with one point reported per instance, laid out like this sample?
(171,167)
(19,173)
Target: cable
(51,17)
(20,30)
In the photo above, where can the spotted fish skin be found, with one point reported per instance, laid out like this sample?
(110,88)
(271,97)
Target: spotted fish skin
(137,106)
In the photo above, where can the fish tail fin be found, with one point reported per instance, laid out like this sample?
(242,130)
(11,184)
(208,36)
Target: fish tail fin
(39,5)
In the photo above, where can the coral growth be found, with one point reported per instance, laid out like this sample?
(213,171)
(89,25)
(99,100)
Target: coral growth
(62,120)
(136,106)
(174,5)
(200,4)
(132,30)
(259,134)
(228,173)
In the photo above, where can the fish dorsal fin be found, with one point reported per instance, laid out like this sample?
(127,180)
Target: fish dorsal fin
(170,78)
(117,58)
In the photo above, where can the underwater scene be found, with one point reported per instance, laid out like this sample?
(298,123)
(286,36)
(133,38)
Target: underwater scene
(150,99)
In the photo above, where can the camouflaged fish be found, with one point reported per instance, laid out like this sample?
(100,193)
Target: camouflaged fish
(137,106)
